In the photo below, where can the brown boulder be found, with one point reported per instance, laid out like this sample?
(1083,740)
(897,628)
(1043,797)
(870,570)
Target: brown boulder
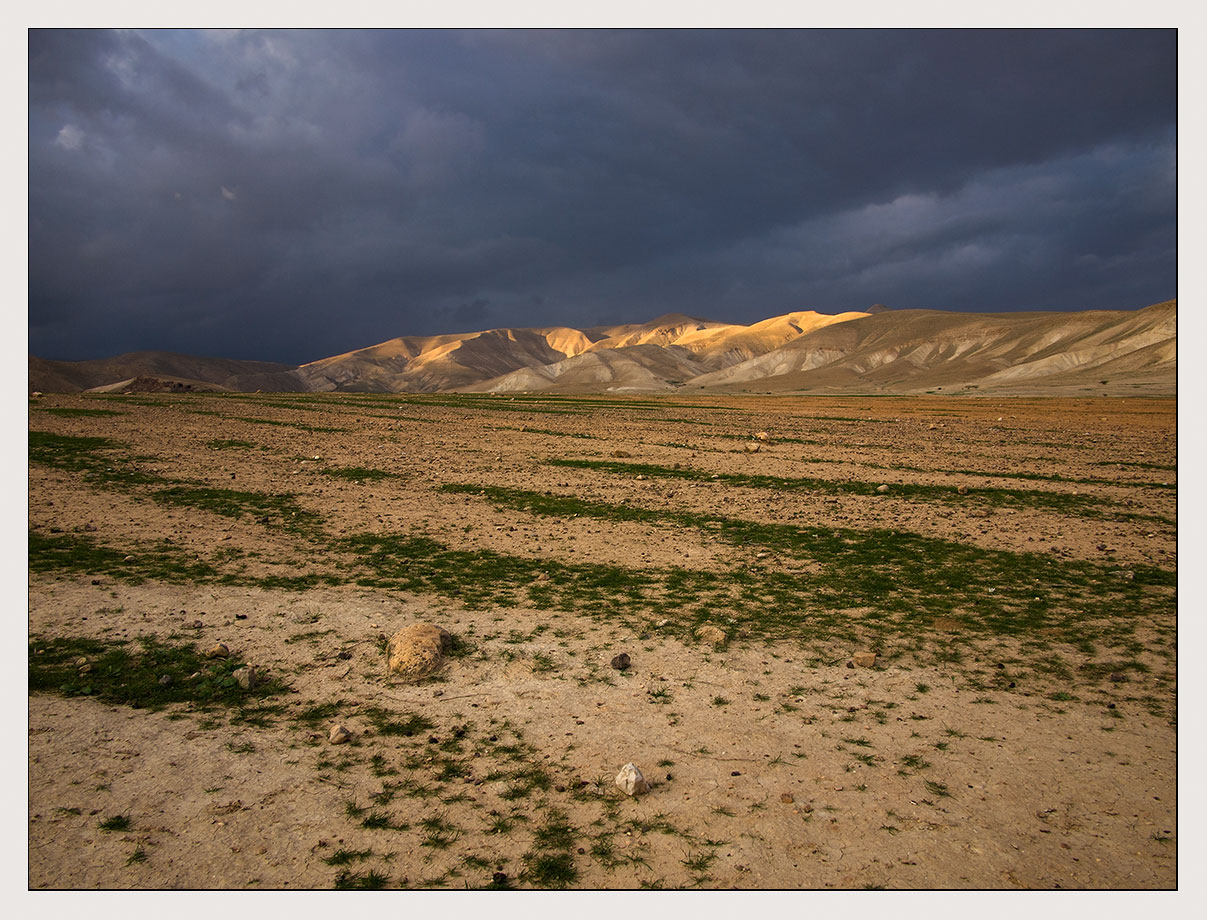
(711,634)
(864,659)
(416,651)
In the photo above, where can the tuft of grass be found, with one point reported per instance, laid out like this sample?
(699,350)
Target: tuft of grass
(343,857)
(550,870)
(439,832)
(378,820)
(115,823)
(368,881)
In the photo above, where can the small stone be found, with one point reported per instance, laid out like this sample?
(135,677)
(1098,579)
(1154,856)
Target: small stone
(787,799)
(165,680)
(711,634)
(80,662)
(247,678)
(752,447)
(963,490)
(864,659)
(621,662)
(197,624)
(630,780)
(761,436)
(339,735)
(218,651)
(882,490)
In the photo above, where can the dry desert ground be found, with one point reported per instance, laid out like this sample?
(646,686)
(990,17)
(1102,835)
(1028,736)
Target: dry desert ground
(1014,579)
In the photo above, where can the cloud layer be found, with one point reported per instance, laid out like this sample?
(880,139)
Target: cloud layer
(289,196)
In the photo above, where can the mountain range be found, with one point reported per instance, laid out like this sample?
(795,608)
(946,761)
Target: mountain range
(877,351)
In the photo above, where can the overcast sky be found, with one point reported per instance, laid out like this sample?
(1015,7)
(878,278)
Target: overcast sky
(288,196)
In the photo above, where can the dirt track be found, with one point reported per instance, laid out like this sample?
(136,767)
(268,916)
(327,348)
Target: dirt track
(994,744)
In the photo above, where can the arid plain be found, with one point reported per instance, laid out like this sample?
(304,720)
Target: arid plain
(1015,579)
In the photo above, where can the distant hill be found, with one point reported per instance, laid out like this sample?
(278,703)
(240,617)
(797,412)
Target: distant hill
(882,350)
(198,373)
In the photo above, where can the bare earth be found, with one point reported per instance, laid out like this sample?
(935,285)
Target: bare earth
(983,749)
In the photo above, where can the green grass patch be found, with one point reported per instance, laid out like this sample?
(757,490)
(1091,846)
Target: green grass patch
(102,460)
(390,723)
(78,553)
(277,510)
(903,580)
(312,429)
(1060,502)
(358,473)
(133,673)
(71,412)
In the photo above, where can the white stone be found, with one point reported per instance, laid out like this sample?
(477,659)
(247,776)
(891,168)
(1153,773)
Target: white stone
(630,780)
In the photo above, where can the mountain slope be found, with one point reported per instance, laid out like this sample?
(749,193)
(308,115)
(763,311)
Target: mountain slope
(433,363)
(889,351)
(916,350)
(220,373)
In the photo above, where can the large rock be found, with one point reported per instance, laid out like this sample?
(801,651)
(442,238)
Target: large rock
(630,780)
(416,651)
(711,634)
(864,659)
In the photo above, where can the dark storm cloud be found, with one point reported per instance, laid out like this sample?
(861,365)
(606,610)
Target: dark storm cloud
(294,195)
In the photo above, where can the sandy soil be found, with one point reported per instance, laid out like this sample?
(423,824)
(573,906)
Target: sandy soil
(771,766)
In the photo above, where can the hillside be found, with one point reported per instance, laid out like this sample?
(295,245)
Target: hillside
(887,351)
